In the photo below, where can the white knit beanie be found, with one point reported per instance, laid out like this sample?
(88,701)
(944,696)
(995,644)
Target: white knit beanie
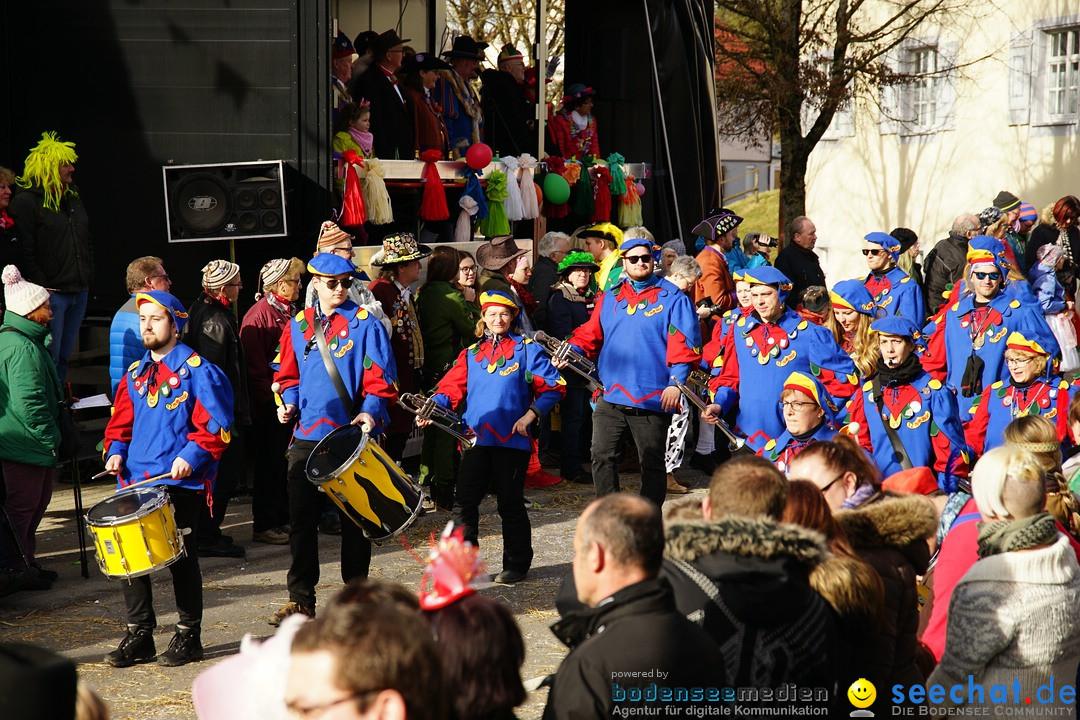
(217,273)
(21,296)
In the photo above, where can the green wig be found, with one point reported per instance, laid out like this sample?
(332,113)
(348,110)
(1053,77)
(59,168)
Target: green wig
(578,259)
(42,168)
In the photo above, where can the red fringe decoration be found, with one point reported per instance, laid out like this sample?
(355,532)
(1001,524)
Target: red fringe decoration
(433,206)
(353,211)
(601,194)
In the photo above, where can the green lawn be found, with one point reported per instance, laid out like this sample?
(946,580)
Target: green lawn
(761,213)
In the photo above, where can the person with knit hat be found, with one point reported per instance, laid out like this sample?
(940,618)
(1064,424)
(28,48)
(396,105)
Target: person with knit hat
(571,303)
(763,349)
(507,382)
(173,414)
(57,249)
(359,347)
(260,332)
(212,331)
(1010,207)
(893,289)
(966,347)
(29,427)
(923,434)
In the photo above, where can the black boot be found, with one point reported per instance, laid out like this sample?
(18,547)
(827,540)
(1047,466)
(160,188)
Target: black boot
(136,647)
(184,647)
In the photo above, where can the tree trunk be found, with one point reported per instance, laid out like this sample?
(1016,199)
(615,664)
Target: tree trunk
(794,154)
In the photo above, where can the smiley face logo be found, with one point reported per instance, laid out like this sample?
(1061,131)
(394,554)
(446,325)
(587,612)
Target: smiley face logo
(862,693)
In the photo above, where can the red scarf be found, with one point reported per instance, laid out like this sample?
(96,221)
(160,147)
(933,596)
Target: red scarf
(5,220)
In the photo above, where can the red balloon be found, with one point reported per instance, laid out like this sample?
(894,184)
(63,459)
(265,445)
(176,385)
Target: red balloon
(478,156)
(539,194)
(640,188)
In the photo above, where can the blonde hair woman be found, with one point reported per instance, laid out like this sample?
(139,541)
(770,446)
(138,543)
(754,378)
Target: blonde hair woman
(853,310)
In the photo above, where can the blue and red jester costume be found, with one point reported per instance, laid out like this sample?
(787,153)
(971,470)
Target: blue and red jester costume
(968,334)
(177,408)
(921,411)
(781,450)
(182,406)
(1047,395)
(893,290)
(353,333)
(504,378)
(758,356)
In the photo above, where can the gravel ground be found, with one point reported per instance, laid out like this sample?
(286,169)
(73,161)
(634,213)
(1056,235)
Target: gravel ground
(83,618)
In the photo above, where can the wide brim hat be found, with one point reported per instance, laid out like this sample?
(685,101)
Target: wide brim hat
(465,47)
(494,254)
(424,61)
(578,260)
(577,91)
(399,248)
(387,40)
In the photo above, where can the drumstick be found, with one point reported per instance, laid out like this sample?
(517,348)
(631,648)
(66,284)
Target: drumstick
(102,474)
(143,482)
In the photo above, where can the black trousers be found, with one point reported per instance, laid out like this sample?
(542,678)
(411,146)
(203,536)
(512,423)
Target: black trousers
(186,575)
(504,470)
(305,507)
(649,431)
(230,468)
(269,494)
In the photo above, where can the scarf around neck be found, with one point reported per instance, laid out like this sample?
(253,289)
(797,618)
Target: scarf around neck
(363,139)
(902,374)
(1001,536)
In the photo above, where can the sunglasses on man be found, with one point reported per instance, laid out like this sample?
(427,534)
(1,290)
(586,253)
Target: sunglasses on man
(332,284)
(867,252)
(635,259)
(985,275)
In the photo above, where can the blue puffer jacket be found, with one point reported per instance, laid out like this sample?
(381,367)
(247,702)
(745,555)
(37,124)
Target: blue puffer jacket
(1047,289)
(125,342)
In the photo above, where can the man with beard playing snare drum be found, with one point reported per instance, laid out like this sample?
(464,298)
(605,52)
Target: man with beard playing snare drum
(173,412)
(359,347)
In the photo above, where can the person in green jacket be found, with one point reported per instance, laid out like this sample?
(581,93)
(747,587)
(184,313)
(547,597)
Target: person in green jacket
(30,398)
(449,324)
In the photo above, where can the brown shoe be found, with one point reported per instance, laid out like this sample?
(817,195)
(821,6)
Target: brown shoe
(674,487)
(290,608)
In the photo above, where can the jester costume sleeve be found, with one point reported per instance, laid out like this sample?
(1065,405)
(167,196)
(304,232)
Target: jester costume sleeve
(964,332)
(1003,402)
(182,407)
(500,378)
(640,340)
(897,294)
(925,417)
(757,357)
(360,349)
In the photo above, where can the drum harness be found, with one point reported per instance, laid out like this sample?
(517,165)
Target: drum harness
(328,362)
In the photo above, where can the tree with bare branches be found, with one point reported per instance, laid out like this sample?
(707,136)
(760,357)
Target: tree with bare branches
(786,67)
(510,21)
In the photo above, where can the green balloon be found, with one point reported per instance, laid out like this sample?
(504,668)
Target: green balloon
(556,189)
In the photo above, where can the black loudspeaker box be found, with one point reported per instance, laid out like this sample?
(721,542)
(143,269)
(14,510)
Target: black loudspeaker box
(223,201)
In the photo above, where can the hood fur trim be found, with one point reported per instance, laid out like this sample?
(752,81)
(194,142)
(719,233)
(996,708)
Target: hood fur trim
(745,537)
(896,521)
(852,587)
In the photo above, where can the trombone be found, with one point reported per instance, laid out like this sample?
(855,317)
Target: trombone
(562,350)
(440,417)
(735,443)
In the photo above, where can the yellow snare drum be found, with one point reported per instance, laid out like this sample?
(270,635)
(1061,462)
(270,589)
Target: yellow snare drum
(135,533)
(365,483)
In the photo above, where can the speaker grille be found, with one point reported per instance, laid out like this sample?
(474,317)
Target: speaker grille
(203,203)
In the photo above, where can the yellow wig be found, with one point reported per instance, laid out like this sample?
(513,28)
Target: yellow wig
(42,168)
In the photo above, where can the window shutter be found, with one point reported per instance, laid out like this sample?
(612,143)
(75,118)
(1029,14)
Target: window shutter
(891,97)
(1020,78)
(948,57)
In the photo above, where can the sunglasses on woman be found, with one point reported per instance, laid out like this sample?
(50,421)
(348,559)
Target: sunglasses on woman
(875,253)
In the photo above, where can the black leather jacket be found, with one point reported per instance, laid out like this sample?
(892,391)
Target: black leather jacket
(213,331)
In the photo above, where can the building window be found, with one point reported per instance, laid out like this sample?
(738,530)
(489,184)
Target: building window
(923,91)
(1063,73)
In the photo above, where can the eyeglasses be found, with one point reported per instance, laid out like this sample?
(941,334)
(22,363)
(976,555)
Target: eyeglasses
(343,251)
(796,405)
(236,284)
(467,268)
(867,252)
(164,276)
(1019,362)
(985,275)
(313,710)
(635,259)
(332,284)
(833,482)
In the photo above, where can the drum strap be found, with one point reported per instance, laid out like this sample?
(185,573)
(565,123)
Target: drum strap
(331,369)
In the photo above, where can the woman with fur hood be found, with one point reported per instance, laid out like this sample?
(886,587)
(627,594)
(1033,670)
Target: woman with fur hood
(889,532)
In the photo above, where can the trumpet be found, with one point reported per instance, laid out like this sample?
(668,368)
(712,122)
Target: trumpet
(440,417)
(578,363)
(698,381)
(735,443)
